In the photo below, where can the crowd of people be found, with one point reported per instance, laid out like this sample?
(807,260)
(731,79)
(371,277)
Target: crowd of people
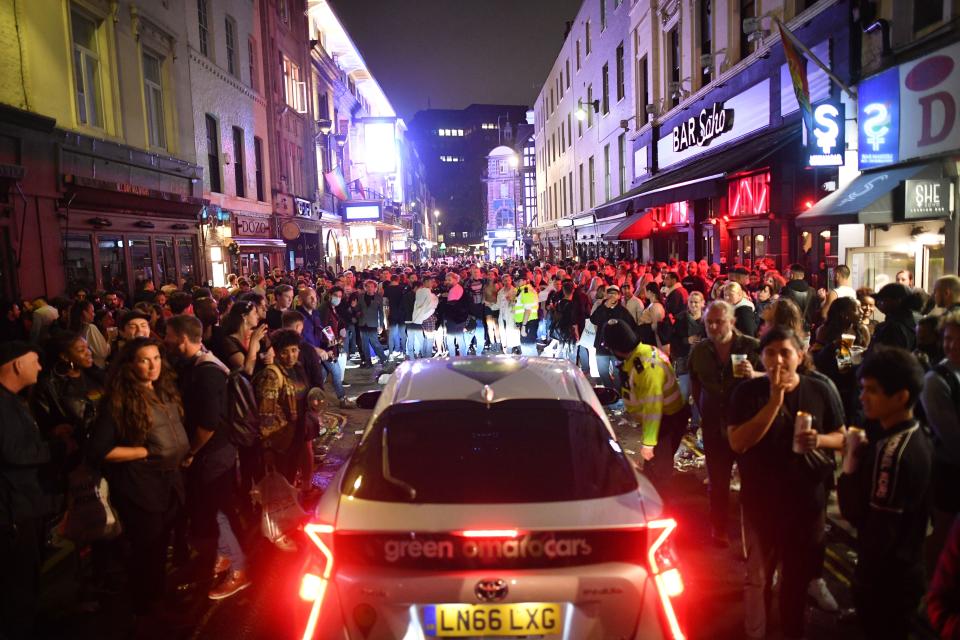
(159,395)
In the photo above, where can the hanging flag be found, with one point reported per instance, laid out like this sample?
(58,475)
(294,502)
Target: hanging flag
(338,184)
(798,74)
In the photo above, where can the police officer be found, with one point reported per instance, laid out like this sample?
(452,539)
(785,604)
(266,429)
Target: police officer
(651,396)
(885,494)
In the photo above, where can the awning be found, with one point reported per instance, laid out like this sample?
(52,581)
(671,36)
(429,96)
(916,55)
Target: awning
(702,178)
(868,199)
(635,227)
(260,243)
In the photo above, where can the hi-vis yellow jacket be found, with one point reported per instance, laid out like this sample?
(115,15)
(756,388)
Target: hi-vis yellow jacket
(650,390)
(527,299)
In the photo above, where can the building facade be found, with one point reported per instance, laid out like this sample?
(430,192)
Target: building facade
(100,184)
(453,145)
(230,122)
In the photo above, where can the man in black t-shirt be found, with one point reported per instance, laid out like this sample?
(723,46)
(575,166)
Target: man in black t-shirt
(211,496)
(783,493)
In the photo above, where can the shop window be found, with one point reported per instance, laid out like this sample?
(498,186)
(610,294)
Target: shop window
(188,259)
(166,261)
(113,266)
(78,262)
(141,258)
(86,69)
(749,196)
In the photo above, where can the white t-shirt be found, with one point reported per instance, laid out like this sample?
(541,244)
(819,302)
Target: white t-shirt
(845,291)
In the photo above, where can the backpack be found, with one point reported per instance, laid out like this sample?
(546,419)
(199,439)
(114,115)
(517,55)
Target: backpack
(243,417)
(946,474)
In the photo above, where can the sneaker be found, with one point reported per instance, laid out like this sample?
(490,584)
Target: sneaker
(221,566)
(235,582)
(346,404)
(352,365)
(818,591)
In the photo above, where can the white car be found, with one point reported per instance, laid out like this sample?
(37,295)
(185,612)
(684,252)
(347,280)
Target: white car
(488,497)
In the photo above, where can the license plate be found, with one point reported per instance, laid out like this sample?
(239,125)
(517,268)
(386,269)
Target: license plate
(517,620)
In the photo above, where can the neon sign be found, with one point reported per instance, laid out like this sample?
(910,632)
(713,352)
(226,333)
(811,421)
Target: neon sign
(749,196)
(825,147)
(879,119)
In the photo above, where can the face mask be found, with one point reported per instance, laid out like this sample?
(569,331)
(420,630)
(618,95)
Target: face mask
(335,301)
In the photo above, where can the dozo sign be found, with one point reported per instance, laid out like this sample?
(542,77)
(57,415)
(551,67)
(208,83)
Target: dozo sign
(910,111)
(251,227)
(826,145)
(927,199)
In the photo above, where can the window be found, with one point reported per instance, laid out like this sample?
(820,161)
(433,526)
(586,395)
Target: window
(233,58)
(569,130)
(621,90)
(580,184)
(203,23)
(86,70)
(563,196)
(644,92)
(153,97)
(578,55)
(213,154)
(606,173)
(252,63)
(673,88)
(603,15)
(563,138)
(622,155)
(239,163)
(705,23)
(570,189)
(748,9)
(605,98)
(284,10)
(294,89)
(589,106)
(78,261)
(258,166)
(591,176)
(568,72)
(113,264)
(589,47)
(927,13)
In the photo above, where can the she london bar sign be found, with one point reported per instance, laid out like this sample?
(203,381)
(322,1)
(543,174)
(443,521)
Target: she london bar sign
(701,130)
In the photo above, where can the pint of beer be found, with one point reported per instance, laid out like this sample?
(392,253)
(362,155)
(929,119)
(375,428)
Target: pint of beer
(736,359)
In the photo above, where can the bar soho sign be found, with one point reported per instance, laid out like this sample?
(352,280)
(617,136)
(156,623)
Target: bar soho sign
(928,199)
(701,130)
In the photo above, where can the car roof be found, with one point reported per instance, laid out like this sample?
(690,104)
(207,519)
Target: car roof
(488,379)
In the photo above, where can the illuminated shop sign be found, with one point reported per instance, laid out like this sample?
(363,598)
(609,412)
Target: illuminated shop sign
(361,211)
(380,145)
(701,130)
(251,227)
(303,207)
(879,119)
(826,146)
(928,199)
(749,196)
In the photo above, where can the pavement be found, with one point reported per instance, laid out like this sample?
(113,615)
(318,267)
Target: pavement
(713,577)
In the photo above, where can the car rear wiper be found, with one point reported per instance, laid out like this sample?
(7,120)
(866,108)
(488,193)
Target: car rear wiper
(397,482)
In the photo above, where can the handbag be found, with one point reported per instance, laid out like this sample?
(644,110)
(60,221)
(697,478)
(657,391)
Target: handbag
(588,337)
(282,512)
(90,516)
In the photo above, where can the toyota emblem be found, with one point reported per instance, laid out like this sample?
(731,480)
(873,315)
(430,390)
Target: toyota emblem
(491,590)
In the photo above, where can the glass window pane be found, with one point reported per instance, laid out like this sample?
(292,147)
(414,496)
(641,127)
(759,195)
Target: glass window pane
(84,31)
(78,256)
(141,260)
(113,268)
(151,68)
(875,268)
(92,72)
(166,261)
(188,259)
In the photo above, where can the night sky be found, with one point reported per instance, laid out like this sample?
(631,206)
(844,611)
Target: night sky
(457,52)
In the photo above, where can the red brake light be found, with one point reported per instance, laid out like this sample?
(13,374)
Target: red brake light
(489,533)
(313,587)
(666,575)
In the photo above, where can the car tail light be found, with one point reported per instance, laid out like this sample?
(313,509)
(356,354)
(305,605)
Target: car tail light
(313,585)
(666,575)
(489,533)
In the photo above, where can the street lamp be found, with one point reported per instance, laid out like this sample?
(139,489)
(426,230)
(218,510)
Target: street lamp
(436,213)
(514,161)
(581,112)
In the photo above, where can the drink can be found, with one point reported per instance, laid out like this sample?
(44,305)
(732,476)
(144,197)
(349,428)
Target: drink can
(802,424)
(854,437)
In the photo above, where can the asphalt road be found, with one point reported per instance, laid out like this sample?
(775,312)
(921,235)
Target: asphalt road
(713,577)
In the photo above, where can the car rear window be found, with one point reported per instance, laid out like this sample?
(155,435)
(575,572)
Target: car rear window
(468,452)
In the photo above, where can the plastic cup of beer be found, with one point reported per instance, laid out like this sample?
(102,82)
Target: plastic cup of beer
(736,359)
(847,339)
(856,355)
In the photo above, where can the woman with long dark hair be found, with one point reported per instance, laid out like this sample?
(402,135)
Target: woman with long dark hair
(241,333)
(140,443)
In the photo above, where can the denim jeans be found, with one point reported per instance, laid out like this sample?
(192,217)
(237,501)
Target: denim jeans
(603,364)
(414,346)
(429,339)
(456,339)
(333,373)
(528,339)
(227,544)
(350,342)
(684,382)
(479,332)
(398,338)
(370,342)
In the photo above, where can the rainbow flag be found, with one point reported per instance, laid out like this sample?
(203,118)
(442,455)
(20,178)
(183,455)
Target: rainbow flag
(337,183)
(798,74)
